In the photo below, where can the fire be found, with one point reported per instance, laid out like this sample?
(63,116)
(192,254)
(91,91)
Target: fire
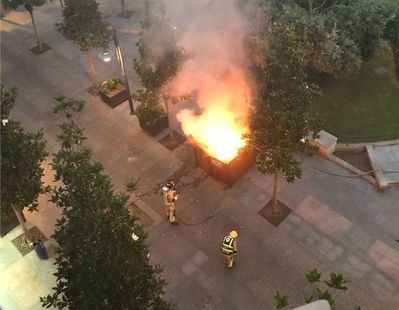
(217,130)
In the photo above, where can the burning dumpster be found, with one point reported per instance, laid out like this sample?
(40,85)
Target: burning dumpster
(226,172)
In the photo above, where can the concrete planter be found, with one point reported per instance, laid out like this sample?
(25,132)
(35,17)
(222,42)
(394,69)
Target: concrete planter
(156,127)
(115,97)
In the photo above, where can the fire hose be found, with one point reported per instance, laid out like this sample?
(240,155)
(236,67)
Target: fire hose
(208,217)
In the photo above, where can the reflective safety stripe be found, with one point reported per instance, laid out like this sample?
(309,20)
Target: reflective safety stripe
(227,245)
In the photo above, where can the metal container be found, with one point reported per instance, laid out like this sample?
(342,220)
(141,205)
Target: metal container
(227,173)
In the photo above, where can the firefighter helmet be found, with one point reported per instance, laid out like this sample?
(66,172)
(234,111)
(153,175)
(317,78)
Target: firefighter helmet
(168,186)
(233,234)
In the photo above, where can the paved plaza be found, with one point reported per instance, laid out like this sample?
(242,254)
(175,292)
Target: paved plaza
(338,224)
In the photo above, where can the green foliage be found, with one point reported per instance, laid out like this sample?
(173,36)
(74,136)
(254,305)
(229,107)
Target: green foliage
(326,49)
(281,300)
(363,21)
(280,121)
(22,154)
(84,25)
(99,264)
(313,276)
(67,106)
(28,4)
(155,68)
(131,185)
(391,32)
(318,294)
(154,77)
(337,281)
(149,111)
(113,83)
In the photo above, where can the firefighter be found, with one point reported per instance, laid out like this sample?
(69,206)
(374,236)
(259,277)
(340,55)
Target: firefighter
(229,248)
(170,195)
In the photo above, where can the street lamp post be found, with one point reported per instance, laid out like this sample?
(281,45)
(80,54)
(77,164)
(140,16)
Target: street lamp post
(106,56)
(123,71)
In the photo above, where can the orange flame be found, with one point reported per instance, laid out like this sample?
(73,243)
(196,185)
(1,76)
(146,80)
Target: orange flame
(217,131)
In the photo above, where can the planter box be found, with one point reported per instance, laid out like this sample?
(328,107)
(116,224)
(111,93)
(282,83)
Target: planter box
(228,173)
(156,127)
(114,98)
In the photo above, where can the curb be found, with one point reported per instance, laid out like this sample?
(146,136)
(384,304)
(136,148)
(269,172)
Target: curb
(353,169)
(361,146)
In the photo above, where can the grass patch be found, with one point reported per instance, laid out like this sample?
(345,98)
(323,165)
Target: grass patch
(364,105)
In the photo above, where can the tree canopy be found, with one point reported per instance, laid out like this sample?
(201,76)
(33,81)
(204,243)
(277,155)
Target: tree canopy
(99,264)
(338,35)
(280,123)
(21,156)
(84,25)
(28,4)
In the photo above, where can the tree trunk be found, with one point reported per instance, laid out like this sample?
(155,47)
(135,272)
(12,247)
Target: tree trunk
(17,211)
(395,50)
(92,70)
(123,8)
(34,29)
(274,197)
(310,4)
(169,114)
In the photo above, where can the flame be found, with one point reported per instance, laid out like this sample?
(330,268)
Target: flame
(217,130)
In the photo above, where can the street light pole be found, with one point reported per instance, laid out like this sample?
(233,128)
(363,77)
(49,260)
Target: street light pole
(123,71)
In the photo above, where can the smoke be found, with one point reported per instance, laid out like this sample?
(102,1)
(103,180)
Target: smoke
(212,34)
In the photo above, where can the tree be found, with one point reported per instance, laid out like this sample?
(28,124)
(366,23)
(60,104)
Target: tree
(29,5)
(123,13)
(336,281)
(156,66)
(391,32)
(327,49)
(84,26)
(280,124)
(102,260)
(361,20)
(21,157)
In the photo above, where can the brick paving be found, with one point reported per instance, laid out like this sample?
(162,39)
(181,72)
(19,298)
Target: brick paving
(337,224)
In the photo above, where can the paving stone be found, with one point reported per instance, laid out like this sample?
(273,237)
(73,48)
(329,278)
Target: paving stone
(358,264)
(310,241)
(335,252)
(323,217)
(189,267)
(200,258)
(324,246)
(351,272)
(381,286)
(295,219)
(313,234)
(389,267)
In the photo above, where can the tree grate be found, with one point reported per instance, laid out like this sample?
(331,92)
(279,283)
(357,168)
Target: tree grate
(93,91)
(275,218)
(37,50)
(142,217)
(174,141)
(21,243)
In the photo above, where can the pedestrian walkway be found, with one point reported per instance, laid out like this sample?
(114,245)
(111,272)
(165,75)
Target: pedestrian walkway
(338,224)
